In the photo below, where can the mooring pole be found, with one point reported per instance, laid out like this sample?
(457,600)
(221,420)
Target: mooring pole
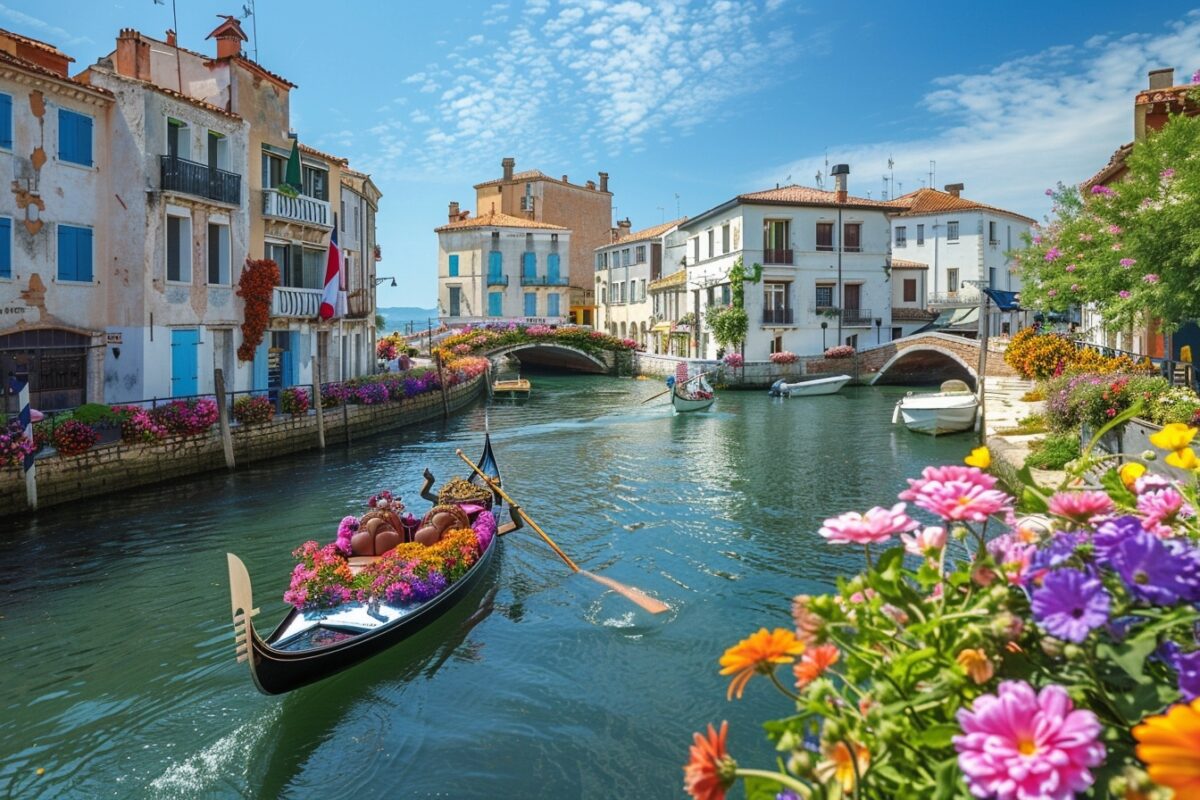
(223,417)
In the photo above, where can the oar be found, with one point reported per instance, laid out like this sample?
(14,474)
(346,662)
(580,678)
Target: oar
(636,595)
(689,380)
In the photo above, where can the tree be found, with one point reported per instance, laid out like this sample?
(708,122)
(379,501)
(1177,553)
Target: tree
(730,325)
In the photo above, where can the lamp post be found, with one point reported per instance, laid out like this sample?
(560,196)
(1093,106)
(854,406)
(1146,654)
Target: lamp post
(839,172)
(878,327)
(824,327)
(378,281)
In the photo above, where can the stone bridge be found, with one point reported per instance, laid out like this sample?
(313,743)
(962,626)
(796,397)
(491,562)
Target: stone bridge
(929,358)
(555,355)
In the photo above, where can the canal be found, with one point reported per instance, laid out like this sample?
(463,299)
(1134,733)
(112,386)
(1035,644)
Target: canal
(119,673)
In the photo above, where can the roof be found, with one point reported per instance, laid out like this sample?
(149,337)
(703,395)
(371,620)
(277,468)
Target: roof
(36,69)
(933,201)
(36,43)
(204,104)
(900,263)
(259,69)
(912,314)
(533,175)
(1116,163)
(312,151)
(497,220)
(676,278)
(1170,94)
(645,234)
(806,196)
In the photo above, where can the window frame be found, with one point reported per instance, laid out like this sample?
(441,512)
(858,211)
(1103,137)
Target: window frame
(921,235)
(184,245)
(857,227)
(6,143)
(952,279)
(818,290)
(91,144)
(228,252)
(824,227)
(952,230)
(91,279)
(907,284)
(900,236)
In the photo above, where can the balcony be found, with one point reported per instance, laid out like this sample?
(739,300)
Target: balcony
(304,209)
(965,296)
(777,257)
(358,304)
(287,301)
(778,316)
(188,177)
(497,280)
(857,318)
(543,280)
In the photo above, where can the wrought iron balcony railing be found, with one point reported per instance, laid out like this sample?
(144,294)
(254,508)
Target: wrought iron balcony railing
(778,316)
(189,177)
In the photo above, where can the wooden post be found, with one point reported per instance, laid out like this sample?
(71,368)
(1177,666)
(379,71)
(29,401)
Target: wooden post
(346,419)
(316,393)
(983,345)
(223,417)
(441,380)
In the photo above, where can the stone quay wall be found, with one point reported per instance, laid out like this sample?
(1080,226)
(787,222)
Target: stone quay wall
(753,375)
(118,467)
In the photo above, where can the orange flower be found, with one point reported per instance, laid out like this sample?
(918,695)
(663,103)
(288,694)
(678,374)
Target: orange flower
(839,764)
(977,665)
(759,652)
(814,663)
(1169,744)
(710,769)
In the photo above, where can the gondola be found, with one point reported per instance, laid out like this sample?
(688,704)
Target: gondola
(697,398)
(309,646)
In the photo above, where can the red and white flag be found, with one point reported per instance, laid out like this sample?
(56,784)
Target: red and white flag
(333,266)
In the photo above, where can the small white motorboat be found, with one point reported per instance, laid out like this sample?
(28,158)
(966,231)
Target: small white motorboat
(949,411)
(828,385)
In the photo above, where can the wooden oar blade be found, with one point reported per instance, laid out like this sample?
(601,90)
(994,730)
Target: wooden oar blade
(635,595)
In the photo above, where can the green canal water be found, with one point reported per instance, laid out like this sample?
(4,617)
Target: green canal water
(119,678)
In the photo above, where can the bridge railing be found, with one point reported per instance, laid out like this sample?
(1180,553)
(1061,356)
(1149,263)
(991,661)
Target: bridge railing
(1178,373)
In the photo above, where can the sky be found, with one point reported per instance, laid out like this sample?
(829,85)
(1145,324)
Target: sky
(685,103)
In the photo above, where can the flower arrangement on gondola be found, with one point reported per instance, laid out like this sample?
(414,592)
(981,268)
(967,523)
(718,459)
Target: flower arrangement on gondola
(1047,656)
(322,579)
(295,401)
(253,410)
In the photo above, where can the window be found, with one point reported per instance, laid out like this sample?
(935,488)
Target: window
(346,270)
(726,298)
(910,290)
(725,238)
(342,218)
(853,237)
(552,301)
(599,260)
(218,150)
(5,247)
(218,254)
(530,304)
(495,265)
(823,295)
(315,182)
(179,140)
(992,277)
(951,280)
(824,235)
(901,236)
(6,121)
(993,238)
(554,241)
(776,241)
(529,265)
(281,255)
(775,296)
(639,254)
(313,266)
(357,223)
(453,265)
(273,170)
(603,295)
(495,240)
(952,231)
(179,249)
(74,137)
(712,242)
(696,250)
(625,257)
(920,235)
(74,253)
(495,304)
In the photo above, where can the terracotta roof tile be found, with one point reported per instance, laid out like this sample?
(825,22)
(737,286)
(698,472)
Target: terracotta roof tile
(805,196)
(645,234)
(37,43)
(254,66)
(207,106)
(312,151)
(933,201)
(900,263)
(1172,94)
(497,220)
(29,66)
(1116,163)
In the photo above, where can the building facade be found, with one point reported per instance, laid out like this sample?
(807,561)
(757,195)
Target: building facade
(496,268)
(624,271)
(586,210)
(356,221)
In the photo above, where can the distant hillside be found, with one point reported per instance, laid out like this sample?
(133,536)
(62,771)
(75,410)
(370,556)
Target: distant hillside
(397,317)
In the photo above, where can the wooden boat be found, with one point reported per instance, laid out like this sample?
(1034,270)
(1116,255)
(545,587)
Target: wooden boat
(697,398)
(308,646)
(519,387)
(828,385)
(949,411)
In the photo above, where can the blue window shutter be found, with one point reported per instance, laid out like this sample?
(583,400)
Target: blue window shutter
(84,141)
(530,265)
(530,304)
(454,266)
(6,120)
(5,248)
(66,140)
(552,305)
(495,263)
(66,253)
(495,304)
(83,254)
(74,137)
(552,268)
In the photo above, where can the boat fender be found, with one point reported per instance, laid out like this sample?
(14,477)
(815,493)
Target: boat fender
(670,381)
(896,413)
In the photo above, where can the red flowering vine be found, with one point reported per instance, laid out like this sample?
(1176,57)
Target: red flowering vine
(255,286)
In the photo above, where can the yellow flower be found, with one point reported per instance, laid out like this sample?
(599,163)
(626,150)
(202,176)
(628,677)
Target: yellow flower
(759,652)
(1184,458)
(1130,472)
(980,457)
(1170,746)
(977,665)
(840,765)
(1175,436)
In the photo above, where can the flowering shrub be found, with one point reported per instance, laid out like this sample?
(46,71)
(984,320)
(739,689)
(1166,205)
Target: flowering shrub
(385,349)
(476,339)
(13,445)
(295,401)
(783,357)
(139,426)
(187,417)
(734,360)
(1093,400)
(256,285)
(369,394)
(1176,404)
(840,351)
(1005,656)
(334,394)
(1037,355)
(253,410)
(73,437)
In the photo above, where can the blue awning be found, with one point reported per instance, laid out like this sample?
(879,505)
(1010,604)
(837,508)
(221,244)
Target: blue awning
(1005,301)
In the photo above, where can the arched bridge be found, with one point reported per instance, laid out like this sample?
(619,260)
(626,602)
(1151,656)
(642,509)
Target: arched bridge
(556,355)
(929,358)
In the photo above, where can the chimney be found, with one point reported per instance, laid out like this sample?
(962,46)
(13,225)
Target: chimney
(591,184)
(453,210)
(954,188)
(508,165)
(604,181)
(229,36)
(839,172)
(565,179)
(133,55)
(1162,78)
(171,37)
(623,228)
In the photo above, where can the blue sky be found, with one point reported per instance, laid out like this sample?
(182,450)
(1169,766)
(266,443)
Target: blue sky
(700,99)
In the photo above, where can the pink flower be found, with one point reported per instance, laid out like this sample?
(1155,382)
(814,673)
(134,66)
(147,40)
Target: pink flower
(924,542)
(1123,294)
(1071,267)
(1080,506)
(1169,173)
(1162,505)
(1085,237)
(1074,287)
(877,525)
(950,472)
(1150,278)
(1053,253)
(1104,190)
(1116,248)
(1018,745)
(1196,76)
(1128,262)
(1115,230)
(1052,293)
(1049,193)
(960,498)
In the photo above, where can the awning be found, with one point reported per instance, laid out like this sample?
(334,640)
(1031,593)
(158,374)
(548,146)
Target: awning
(662,327)
(1005,301)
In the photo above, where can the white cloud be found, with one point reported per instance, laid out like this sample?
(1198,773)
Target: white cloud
(53,34)
(1013,131)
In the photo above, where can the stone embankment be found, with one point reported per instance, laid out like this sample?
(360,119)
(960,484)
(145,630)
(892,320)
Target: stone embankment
(1004,409)
(119,467)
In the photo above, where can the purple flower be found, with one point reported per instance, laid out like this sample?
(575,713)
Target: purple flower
(1196,76)
(1128,262)
(1053,254)
(1049,193)
(1111,533)
(1059,549)
(1101,189)
(1071,267)
(1169,173)
(1070,604)
(1123,294)
(1154,570)
(1037,238)
(1187,668)
(1150,278)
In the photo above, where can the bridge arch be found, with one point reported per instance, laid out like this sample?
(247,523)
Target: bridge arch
(553,354)
(919,362)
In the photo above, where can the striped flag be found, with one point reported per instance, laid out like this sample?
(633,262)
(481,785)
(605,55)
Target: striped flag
(24,415)
(681,374)
(333,266)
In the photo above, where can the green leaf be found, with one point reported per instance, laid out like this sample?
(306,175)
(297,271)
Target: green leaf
(760,788)
(1033,503)
(1130,655)
(1112,483)
(938,736)
(949,782)
(1134,410)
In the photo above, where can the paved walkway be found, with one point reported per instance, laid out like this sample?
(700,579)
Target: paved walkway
(1004,410)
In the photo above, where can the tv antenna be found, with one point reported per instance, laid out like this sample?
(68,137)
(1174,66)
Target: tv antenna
(677,205)
(247,12)
(932,172)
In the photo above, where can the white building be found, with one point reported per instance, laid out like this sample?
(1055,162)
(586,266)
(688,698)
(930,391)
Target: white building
(961,241)
(794,233)
(910,293)
(624,271)
(356,232)
(496,267)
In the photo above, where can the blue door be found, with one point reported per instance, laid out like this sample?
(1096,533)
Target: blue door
(529,266)
(259,378)
(530,304)
(552,305)
(552,269)
(495,304)
(291,361)
(184,363)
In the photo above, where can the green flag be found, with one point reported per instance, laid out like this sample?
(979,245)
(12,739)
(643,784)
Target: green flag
(292,176)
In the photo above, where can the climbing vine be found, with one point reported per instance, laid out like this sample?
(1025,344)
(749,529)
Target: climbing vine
(255,287)
(730,325)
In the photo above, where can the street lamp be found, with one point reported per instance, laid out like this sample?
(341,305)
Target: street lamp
(384,280)
(878,326)
(839,172)
(824,327)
